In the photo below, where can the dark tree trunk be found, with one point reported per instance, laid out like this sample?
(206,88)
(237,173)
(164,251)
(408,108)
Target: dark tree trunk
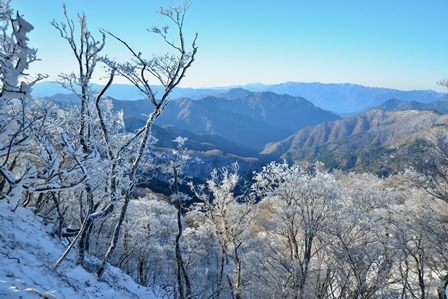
(182,275)
(442,288)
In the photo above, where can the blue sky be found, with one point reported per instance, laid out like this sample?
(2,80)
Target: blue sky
(382,43)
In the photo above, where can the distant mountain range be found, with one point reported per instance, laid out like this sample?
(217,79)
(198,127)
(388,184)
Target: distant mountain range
(247,120)
(394,104)
(343,99)
(250,119)
(257,127)
(352,98)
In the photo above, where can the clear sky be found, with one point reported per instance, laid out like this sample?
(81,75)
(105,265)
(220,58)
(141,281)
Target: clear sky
(400,44)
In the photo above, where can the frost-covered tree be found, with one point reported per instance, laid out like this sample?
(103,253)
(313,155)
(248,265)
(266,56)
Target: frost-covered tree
(297,208)
(86,49)
(409,236)
(146,250)
(30,162)
(229,216)
(124,153)
(430,160)
(15,56)
(83,125)
(169,69)
(361,250)
(178,198)
(423,232)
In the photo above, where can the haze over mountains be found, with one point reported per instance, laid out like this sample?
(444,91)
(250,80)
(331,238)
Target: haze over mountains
(259,126)
(338,98)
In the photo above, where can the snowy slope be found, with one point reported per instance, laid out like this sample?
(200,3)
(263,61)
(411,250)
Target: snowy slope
(27,253)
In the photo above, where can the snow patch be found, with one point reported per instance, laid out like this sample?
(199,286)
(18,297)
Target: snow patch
(27,252)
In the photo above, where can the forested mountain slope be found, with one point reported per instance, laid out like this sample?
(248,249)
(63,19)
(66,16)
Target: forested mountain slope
(364,142)
(250,121)
(394,104)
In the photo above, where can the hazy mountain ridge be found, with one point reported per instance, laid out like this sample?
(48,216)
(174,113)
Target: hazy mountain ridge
(124,92)
(342,98)
(394,104)
(352,98)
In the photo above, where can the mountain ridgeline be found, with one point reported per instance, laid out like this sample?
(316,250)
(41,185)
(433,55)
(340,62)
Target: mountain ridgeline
(246,121)
(251,121)
(343,99)
(349,99)
(256,127)
(377,141)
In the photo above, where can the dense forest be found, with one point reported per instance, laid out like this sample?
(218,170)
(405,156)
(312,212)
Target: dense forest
(290,231)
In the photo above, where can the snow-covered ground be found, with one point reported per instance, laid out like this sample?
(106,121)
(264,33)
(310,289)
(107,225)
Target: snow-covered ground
(27,253)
